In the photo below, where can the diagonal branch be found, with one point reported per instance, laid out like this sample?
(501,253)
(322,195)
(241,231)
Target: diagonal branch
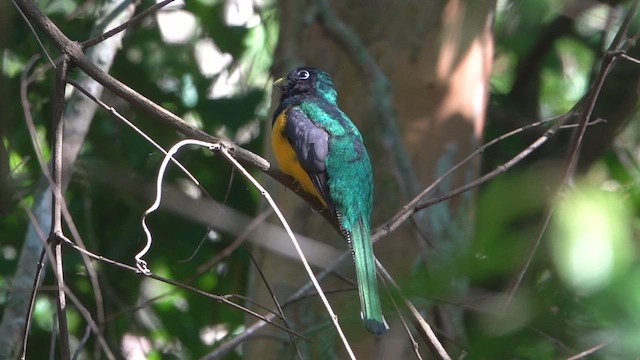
(122,27)
(74,51)
(608,62)
(79,59)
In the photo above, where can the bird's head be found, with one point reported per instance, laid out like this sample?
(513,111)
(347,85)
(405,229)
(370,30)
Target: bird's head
(307,81)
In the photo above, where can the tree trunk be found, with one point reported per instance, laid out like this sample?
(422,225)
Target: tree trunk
(437,57)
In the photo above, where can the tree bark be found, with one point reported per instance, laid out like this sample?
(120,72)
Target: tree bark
(437,58)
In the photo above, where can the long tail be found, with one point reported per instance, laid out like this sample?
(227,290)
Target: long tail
(367,282)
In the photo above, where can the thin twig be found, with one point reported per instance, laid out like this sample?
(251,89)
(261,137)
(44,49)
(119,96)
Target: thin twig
(414,205)
(316,284)
(91,324)
(632,59)
(250,331)
(117,115)
(44,50)
(32,301)
(80,60)
(608,61)
(178,284)
(515,284)
(276,303)
(585,353)
(423,327)
(501,169)
(82,342)
(214,217)
(207,265)
(571,160)
(414,344)
(56,216)
(26,111)
(142,264)
(37,277)
(91,270)
(235,244)
(136,19)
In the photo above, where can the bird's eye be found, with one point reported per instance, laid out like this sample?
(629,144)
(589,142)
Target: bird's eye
(303,74)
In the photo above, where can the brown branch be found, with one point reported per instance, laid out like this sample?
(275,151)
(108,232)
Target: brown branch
(591,350)
(390,226)
(79,59)
(571,161)
(420,323)
(26,111)
(276,303)
(122,27)
(56,213)
(414,205)
(218,298)
(609,60)
(74,50)
(32,302)
(36,281)
(92,325)
(77,114)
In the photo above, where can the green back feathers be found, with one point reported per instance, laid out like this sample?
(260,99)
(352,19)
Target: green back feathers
(330,149)
(350,180)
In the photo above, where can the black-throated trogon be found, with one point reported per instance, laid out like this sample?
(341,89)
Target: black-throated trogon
(317,144)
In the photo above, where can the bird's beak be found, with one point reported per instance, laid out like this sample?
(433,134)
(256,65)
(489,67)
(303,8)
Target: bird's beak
(280,83)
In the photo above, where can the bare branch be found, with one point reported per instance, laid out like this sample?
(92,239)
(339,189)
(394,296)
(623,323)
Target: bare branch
(585,353)
(594,93)
(276,303)
(74,50)
(56,213)
(419,322)
(127,24)
(78,115)
(44,50)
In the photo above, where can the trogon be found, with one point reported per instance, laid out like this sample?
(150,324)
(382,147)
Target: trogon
(317,144)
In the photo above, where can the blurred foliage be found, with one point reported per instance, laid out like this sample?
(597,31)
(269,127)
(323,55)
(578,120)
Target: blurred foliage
(580,290)
(231,100)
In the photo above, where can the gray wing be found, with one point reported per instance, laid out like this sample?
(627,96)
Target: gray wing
(311,144)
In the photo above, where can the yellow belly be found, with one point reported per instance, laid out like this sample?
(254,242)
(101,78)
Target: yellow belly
(288,160)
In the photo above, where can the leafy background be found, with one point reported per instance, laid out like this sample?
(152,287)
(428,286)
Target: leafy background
(580,291)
